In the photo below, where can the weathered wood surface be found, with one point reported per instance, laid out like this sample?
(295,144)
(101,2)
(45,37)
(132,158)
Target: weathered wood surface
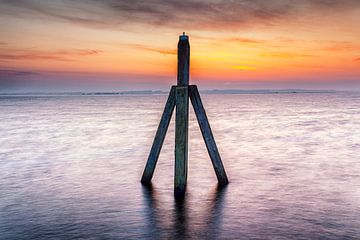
(208,135)
(159,137)
(181,140)
(183,61)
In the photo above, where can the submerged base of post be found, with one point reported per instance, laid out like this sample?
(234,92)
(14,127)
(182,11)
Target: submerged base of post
(179,97)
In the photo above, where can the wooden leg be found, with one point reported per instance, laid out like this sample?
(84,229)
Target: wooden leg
(181,141)
(159,138)
(207,135)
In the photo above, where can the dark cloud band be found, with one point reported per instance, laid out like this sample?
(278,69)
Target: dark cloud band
(194,14)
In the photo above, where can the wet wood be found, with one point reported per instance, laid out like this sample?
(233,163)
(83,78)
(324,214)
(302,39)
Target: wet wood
(208,135)
(181,140)
(159,137)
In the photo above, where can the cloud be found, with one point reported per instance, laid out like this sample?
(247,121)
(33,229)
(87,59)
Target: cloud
(246,40)
(307,66)
(357,59)
(11,73)
(284,55)
(191,14)
(14,78)
(151,49)
(342,46)
(60,55)
(248,68)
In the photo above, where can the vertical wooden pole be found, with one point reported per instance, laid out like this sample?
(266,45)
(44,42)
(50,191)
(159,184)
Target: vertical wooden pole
(181,140)
(208,135)
(159,137)
(182,117)
(183,61)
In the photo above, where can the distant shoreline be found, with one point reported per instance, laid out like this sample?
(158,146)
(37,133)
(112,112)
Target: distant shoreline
(159,92)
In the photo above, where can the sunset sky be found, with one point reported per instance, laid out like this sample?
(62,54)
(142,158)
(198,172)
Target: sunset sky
(125,45)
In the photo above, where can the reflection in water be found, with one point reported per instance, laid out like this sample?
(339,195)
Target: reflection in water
(215,211)
(152,219)
(180,227)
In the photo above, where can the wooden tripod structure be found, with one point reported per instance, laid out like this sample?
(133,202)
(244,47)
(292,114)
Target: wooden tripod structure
(179,97)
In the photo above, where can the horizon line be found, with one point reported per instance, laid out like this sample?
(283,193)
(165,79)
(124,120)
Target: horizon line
(160,92)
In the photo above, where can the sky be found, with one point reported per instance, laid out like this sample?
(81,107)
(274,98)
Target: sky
(113,45)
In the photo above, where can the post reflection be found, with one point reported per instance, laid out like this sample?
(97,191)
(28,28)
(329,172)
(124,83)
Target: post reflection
(215,213)
(152,227)
(182,222)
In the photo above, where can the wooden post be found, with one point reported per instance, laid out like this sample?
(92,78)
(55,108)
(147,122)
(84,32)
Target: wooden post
(183,61)
(181,140)
(208,135)
(159,137)
(182,117)
(179,97)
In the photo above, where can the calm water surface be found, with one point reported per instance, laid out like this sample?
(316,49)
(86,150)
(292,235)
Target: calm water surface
(70,168)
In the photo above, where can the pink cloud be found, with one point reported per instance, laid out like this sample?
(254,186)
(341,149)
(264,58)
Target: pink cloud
(60,55)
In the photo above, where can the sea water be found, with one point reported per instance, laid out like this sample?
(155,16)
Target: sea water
(70,168)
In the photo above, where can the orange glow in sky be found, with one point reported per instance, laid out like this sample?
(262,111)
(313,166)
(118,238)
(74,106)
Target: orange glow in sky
(248,44)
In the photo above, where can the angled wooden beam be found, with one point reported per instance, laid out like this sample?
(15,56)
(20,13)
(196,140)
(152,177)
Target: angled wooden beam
(181,141)
(208,135)
(159,137)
